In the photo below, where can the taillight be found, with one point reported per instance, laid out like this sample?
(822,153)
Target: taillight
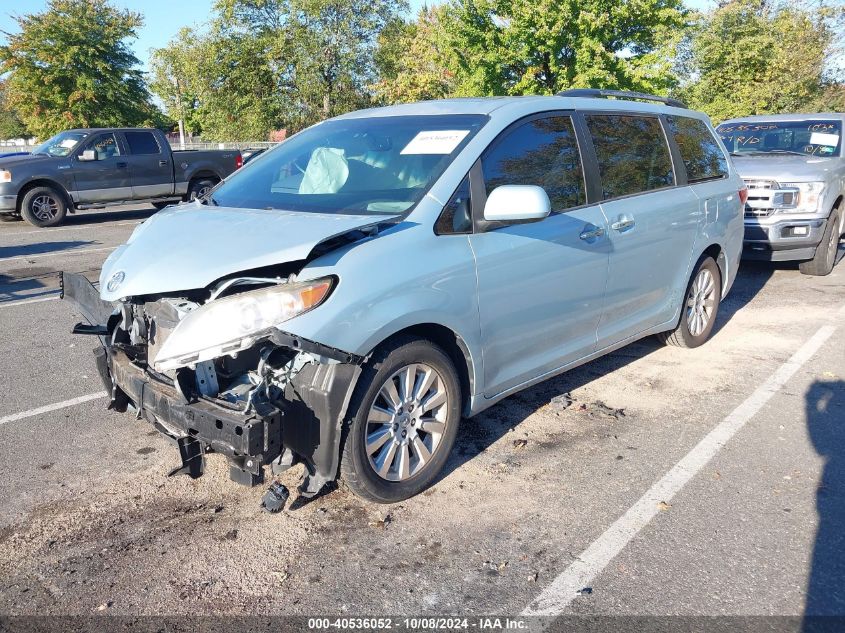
(743,195)
(239,161)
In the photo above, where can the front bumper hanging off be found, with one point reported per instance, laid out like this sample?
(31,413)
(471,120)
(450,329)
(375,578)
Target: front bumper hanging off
(304,427)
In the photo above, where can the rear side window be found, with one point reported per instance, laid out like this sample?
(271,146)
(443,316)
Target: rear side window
(142,143)
(541,152)
(703,157)
(632,154)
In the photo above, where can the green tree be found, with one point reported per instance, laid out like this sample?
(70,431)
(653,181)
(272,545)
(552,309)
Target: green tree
(502,47)
(410,62)
(174,77)
(71,66)
(10,124)
(758,57)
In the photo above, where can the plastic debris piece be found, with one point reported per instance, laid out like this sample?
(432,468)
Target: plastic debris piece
(275,498)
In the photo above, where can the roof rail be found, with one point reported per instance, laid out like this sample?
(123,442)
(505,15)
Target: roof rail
(620,94)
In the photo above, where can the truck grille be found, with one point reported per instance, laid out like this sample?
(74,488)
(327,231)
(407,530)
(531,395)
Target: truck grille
(759,192)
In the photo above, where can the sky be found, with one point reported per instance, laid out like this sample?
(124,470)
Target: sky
(164,18)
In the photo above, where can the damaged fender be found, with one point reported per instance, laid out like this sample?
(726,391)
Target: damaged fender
(304,425)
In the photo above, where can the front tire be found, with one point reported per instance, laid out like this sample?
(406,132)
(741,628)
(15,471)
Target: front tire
(402,423)
(825,257)
(701,305)
(43,207)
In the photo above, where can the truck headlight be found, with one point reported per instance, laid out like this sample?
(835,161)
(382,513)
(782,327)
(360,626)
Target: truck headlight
(809,196)
(232,324)
(5,175)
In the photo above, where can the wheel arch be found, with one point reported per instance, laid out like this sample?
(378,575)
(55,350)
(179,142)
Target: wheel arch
(716,251)
(451,343)
(44,182)
(203,173)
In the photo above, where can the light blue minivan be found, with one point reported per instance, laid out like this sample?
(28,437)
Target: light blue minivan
(347,297)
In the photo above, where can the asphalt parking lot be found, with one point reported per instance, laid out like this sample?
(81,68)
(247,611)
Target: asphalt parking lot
(652,481)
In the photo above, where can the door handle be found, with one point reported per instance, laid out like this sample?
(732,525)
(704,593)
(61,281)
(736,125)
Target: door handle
(591,232)
(162,163)
(622,224)
(121,165)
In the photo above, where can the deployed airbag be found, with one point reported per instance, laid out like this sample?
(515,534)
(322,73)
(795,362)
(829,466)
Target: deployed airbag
(327,172)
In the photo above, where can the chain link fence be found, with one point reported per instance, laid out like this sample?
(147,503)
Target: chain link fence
(8,148)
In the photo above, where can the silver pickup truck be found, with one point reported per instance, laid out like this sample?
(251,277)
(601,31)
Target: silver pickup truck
(794,169)
(94,168)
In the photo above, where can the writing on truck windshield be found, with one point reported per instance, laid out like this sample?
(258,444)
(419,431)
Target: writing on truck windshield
(61,144)
(353,166)
(812,138)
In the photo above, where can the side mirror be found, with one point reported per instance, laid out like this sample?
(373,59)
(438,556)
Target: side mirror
(88,155)
(517,203)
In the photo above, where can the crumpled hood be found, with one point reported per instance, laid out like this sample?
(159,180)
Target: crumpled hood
(189,247)
(784,167)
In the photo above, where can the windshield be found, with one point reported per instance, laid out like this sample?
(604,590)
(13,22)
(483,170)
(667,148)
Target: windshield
(61,144)
(811,138)
(370,165)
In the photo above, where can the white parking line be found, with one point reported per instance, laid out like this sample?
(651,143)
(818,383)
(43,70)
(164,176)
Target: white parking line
(23,302)
(589,564)
(52,407)
(57,253)
(69,228)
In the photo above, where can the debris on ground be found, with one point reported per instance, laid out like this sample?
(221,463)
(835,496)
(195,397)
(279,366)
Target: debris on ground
(382,522)
(561,401)
(586,591)
(495,568)
(663,506)
(600,409)
(280,575)
(520,443)
(275,498)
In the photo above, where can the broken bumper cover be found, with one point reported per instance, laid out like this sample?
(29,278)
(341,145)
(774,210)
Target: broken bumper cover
(306,427)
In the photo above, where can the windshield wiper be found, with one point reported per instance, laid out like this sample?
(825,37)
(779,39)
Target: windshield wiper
(786,151)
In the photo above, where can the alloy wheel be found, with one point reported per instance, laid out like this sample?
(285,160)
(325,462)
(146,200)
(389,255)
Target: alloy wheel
(44,207)
(701,302)
(406,422)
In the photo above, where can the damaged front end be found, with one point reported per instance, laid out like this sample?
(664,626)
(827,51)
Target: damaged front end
(210,370)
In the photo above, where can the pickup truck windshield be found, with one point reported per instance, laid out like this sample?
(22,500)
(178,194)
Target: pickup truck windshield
(369,165)
(812,138)
(61,144)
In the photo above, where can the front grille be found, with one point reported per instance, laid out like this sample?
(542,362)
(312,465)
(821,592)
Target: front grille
(759,191)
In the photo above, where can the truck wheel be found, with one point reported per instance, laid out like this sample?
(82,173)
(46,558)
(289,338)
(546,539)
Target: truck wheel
(825,257)
(698,315)
(200,188)
(403,420)
(43,207)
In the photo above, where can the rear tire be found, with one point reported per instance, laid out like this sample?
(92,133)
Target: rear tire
(409,437)
(43,207)
(825,257)
(700,308)
(199,188)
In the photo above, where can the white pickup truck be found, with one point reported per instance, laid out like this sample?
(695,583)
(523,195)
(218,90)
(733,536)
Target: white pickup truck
(795,172)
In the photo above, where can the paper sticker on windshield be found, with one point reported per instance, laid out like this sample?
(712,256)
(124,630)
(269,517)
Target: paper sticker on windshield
(818,138)
(435,142)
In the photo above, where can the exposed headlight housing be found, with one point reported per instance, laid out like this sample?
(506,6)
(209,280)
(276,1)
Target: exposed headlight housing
(232,324)
(809,196)
(5,175)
